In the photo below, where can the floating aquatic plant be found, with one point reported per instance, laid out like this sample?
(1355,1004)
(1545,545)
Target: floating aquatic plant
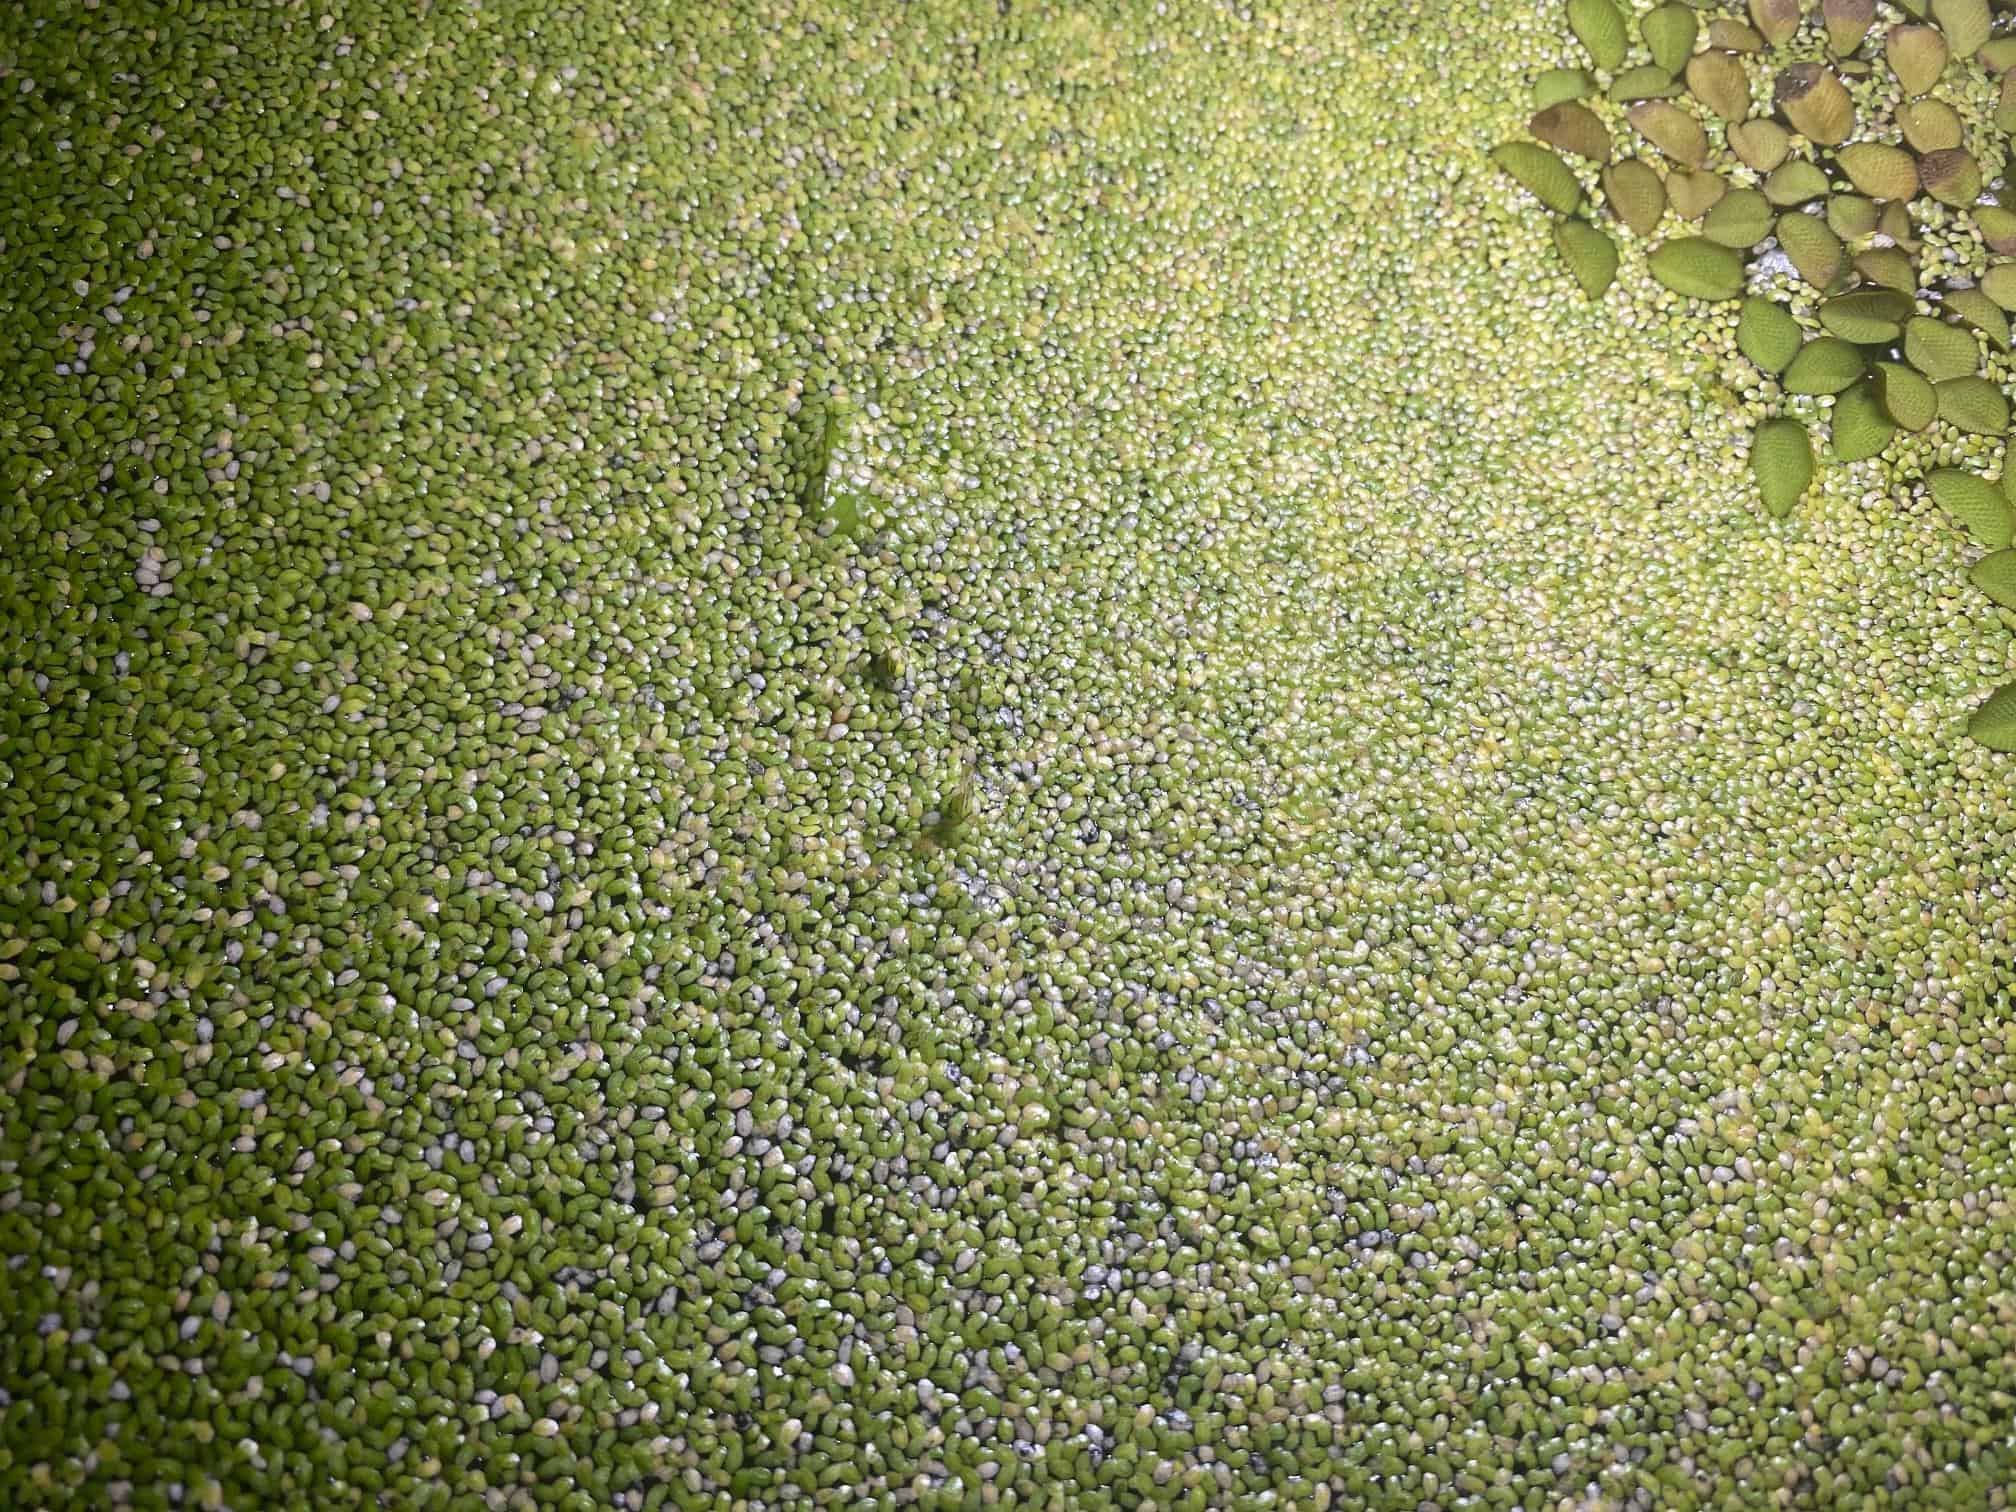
(1861,159)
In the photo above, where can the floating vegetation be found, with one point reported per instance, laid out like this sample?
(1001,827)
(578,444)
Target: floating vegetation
(1895,246)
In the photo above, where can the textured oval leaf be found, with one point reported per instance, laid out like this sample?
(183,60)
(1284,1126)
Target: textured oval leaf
(1879,171)
(1951,176)
(1930,126)
(1741,218)
(2005,105)
(1973,405)
(1559,84)
(1894,221)
(1781,460)
(1975,503)
(1734,36)
(1848,22)
(1997,227)
(1761,144)
(1775,20)
(1860,426)
(1591,256)
(1938,350)
(1889,268)
(1599,26)
(1907,397)
(1815,102)
(1999,55)
(1980,312)
(1999,284)
(1541,173)
(1693,195)
(1917,56)
(1850,215)
(1815,250)
(1669,32)
(1719,82)
(1672,130)
(1647,81)
(1965,23)
(1867,317)
(1699,268)
(1767,334)
(1995,575)
(1797,182)
(1573,127)
(1994,723)
(1825,365)
(1636,196)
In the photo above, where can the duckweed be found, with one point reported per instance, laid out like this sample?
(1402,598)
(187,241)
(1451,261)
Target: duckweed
(794,754)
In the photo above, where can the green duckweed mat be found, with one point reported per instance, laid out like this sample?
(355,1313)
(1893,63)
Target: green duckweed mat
(951,754)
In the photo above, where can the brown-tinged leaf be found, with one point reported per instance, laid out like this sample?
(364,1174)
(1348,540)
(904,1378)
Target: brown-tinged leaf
(1815,102)
(1720,82)
(1929,125)
(1672,130)
(1965,23)
(1573,127)
(1951,176)
(1879,171)
(1636,196)
(1917,56)
(1693,195)
(1775,20)
(1761,144)
(1998,228)
(1733,36)
(1848,22)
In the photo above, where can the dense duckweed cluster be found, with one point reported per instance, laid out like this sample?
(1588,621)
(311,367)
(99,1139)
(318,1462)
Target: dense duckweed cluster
(801,754)
(1874,273)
